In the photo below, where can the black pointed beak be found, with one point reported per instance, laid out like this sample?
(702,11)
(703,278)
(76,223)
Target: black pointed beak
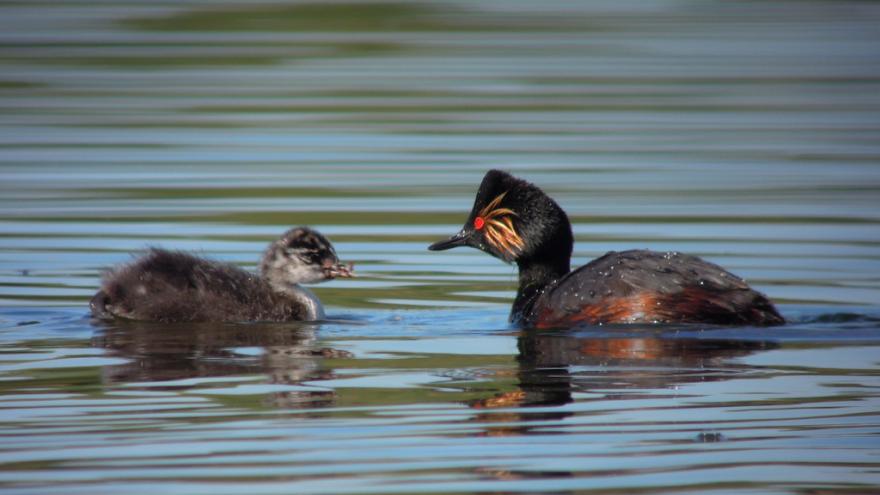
(459,239)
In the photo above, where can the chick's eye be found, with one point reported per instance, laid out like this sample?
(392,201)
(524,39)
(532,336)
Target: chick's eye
(305,255)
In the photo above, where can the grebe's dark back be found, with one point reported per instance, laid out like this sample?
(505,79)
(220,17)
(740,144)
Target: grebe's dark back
(516,221)
(173,286)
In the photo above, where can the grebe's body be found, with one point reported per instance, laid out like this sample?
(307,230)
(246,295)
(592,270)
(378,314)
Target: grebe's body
(517,222)
(642,286)
(173,286)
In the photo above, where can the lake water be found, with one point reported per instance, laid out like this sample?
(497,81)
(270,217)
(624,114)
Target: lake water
(744,132)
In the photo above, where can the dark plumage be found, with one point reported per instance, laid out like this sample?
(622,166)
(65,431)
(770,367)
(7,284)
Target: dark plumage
(173,286)
(516,221)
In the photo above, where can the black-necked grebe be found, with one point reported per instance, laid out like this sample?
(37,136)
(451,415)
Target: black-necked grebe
(173,286)
(516,221)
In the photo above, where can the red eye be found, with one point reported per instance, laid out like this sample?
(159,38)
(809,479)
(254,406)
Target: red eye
(479,222)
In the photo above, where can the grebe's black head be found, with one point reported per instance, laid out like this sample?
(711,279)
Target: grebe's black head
(301,256)
(514,220)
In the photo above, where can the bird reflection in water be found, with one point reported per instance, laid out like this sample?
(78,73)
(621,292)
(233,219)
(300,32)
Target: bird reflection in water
(555,368)
(287,353)
(552,366)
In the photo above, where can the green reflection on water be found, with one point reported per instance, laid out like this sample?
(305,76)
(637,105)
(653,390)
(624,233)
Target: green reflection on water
(209,59)
(380,16)
(20,85)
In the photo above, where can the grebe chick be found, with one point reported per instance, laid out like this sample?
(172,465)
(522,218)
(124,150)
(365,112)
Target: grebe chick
(173,286)
(516,221)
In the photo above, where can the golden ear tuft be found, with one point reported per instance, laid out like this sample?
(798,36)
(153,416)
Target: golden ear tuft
(499,229)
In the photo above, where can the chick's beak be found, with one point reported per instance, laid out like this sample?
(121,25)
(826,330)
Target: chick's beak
(337,269)
(459,239)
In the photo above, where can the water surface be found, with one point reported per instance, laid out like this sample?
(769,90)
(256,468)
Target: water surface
(747,133)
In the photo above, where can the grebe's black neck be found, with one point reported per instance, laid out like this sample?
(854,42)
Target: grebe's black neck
(535,274)
(548,244)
